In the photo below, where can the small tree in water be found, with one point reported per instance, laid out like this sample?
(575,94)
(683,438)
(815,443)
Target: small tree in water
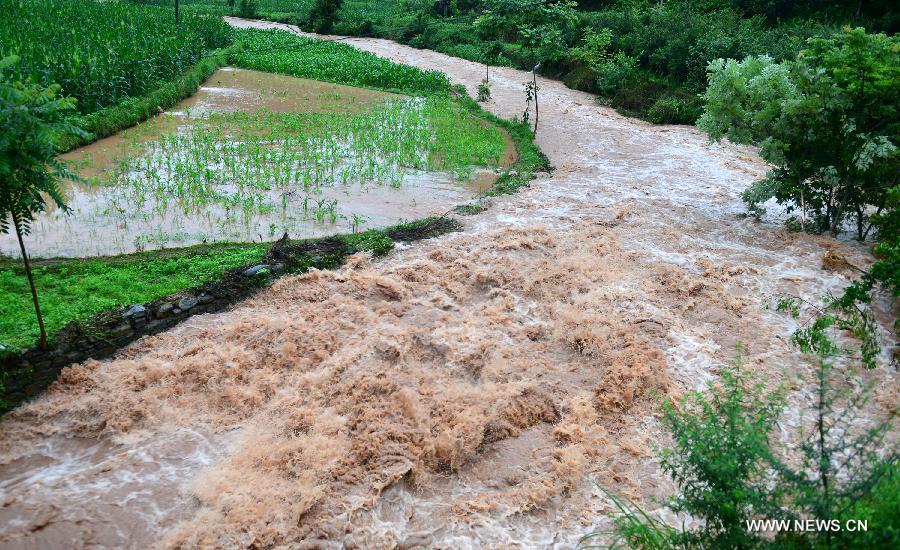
(531,95)
(484,91)
(32,118)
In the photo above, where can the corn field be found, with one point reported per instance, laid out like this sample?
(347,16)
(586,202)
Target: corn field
(103,52)
(280,52)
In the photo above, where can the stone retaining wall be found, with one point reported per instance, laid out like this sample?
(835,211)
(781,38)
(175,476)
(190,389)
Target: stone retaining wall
(27,373)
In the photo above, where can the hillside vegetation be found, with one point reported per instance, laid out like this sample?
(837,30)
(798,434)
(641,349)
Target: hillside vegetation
(644,57)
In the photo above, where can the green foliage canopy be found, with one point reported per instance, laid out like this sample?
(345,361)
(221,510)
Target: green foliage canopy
(33,119)
(543,27)
(323,15)
(828,121)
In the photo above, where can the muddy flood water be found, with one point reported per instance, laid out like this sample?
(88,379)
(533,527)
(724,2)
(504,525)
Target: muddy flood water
(203,172)
(478,390)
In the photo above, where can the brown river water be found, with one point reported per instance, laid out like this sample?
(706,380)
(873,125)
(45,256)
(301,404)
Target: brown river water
(471,391)
(106,220)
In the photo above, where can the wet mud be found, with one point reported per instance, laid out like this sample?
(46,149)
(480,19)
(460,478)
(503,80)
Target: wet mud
(471,391)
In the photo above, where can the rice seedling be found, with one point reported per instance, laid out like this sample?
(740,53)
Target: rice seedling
(250,164)
(357,222)
(234,175)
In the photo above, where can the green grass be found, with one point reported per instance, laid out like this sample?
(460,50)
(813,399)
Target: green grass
(103,52)
(75,290)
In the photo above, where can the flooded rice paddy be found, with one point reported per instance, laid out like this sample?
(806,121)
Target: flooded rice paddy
(254,155)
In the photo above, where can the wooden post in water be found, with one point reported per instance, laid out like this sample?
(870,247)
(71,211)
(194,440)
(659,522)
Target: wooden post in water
(537,112)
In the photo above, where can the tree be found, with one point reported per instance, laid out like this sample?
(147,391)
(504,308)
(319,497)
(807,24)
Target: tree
(247,8)
(828,121)
(323,15)
(731,471)
(721,456)
(542,27)
(32,119)
(614,70)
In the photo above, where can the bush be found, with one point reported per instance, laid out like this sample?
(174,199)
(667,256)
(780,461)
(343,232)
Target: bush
(323,15)
(725,479)
(464,51)
(616,72)
(364,27)
(728,473)
(248,8)
(673,110)
(828,121)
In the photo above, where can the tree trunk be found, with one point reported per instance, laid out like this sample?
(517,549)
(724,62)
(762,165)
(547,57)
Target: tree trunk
(34,296)
(824,511)
(860,223)
(177,12)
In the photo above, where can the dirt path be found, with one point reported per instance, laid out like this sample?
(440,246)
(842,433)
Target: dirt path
(463,393)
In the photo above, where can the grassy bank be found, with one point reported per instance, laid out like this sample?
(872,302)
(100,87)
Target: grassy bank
(80,289)
(530,159)
(75,290)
